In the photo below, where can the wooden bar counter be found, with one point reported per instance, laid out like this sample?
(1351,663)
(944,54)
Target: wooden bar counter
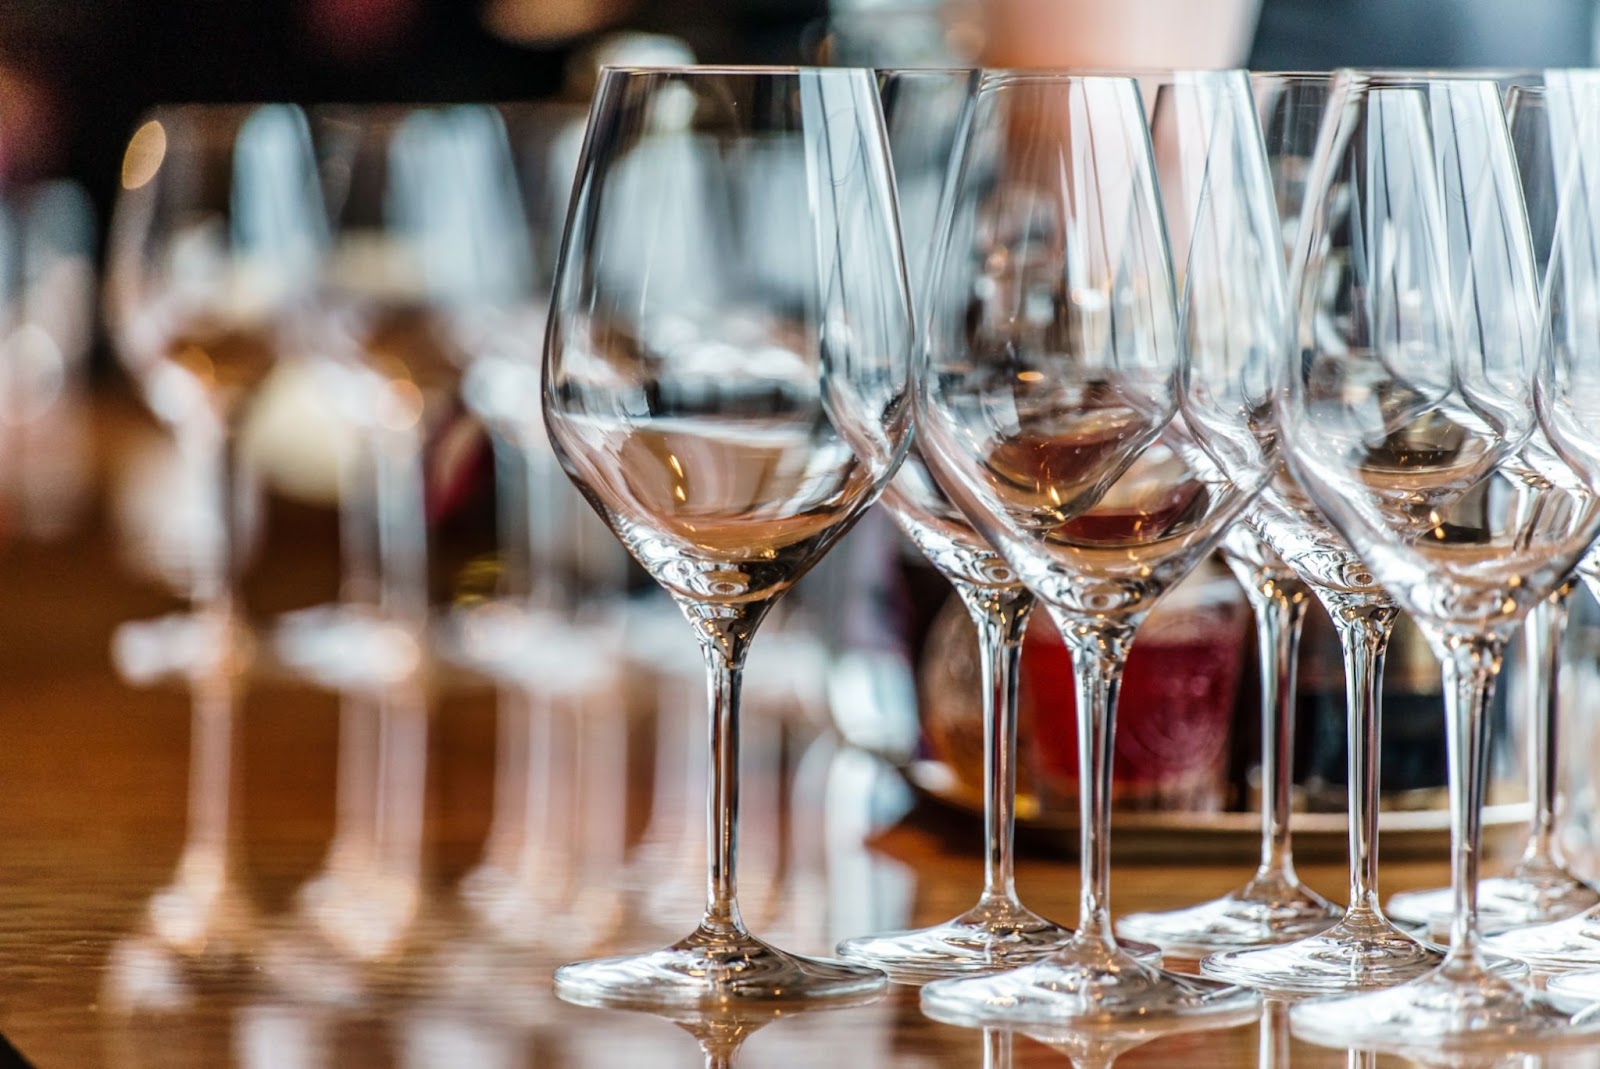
(93,786)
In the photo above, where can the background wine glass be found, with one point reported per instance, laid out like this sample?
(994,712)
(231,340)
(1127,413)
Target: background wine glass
(922,111)
(1273,906)
(1048,410)
(411,271)
(1540,888)
(726,380)
(214,246)
(1407,419)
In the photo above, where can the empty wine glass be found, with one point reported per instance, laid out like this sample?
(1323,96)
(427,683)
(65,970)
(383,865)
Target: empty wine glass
(1407,417)
(1563,192)
(1540,888)
(727,380)
(213,255)
(1048,411)
(1273,906)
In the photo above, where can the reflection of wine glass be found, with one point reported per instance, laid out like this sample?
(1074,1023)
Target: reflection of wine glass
(1540,888)
(1409,419)
(922,110)
(726,380)
(214,247)
(1049,411)
(1273,906)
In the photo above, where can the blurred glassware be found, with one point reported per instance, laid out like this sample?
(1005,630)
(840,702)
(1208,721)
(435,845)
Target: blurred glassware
(1409,419)
(729,388)
(213,251)
(45,422)
(1048,408)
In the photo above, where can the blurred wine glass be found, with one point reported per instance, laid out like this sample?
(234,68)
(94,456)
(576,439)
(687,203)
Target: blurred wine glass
(214,250)
(726,379)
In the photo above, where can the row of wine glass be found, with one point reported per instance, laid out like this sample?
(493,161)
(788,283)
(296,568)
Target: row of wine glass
(1113,375)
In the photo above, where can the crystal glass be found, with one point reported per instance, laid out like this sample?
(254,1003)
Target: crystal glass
(1563,190)
(214,248)
(923,109)
(727,380)
(1364,949)
(1048,411)
(1273,906)
(1408,417)
(1540,888)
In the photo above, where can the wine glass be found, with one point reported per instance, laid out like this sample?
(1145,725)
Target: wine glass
(214,248)
(1364,949)
(727,381)
(1407,418)
(1563,194)
(1048,411)
(922,110)
(1540,888)
(1273,906)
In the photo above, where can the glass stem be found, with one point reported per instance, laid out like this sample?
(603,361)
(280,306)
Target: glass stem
(1364,625)
(1099,653)
(1470,667)
(996,1048)
(514,507)
(402,527)
(213,679)
(1542,638)
(1280,604)
(1001,616)
(724,669)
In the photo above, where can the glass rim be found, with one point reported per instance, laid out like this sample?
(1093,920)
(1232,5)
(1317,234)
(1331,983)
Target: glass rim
(635,70)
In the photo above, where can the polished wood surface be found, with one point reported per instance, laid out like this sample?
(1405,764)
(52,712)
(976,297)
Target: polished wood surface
(93,781)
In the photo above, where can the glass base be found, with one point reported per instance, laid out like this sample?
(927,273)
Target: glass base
(1504,903)
(1565,946)
(1583,986)
(1361,952)
(1084,983)
(1264,912)
(712,968)
(992,937)
(1453,1008)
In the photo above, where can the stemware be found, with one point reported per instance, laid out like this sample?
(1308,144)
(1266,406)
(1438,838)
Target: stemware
(214,244)
(1564,197)
(922,110)
(1407,417)
(1540,888)
(1048,410)
(727,380)
(1273,906)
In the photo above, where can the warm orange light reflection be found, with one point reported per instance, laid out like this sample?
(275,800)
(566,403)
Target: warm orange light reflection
(146,149)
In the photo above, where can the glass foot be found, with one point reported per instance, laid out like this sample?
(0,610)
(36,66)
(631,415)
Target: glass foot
(1504,903)
(1361,952)
(1264,912)
(708,969)
(1084,983)
(1450,1009)
(1565,946)
(1581,986)
(991,938)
